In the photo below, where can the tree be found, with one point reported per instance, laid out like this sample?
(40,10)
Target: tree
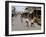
(28,8)
(13,10)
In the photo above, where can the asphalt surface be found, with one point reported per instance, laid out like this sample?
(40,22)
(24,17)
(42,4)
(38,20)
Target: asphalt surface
(17,25)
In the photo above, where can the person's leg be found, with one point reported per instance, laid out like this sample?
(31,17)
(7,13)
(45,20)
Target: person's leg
(27,24)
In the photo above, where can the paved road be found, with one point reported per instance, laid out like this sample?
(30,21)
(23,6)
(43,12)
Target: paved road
(17,25)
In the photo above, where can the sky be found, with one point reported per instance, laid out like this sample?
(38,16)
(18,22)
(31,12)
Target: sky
(20,8)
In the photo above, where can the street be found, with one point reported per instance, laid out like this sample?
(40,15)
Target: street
(17,25)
